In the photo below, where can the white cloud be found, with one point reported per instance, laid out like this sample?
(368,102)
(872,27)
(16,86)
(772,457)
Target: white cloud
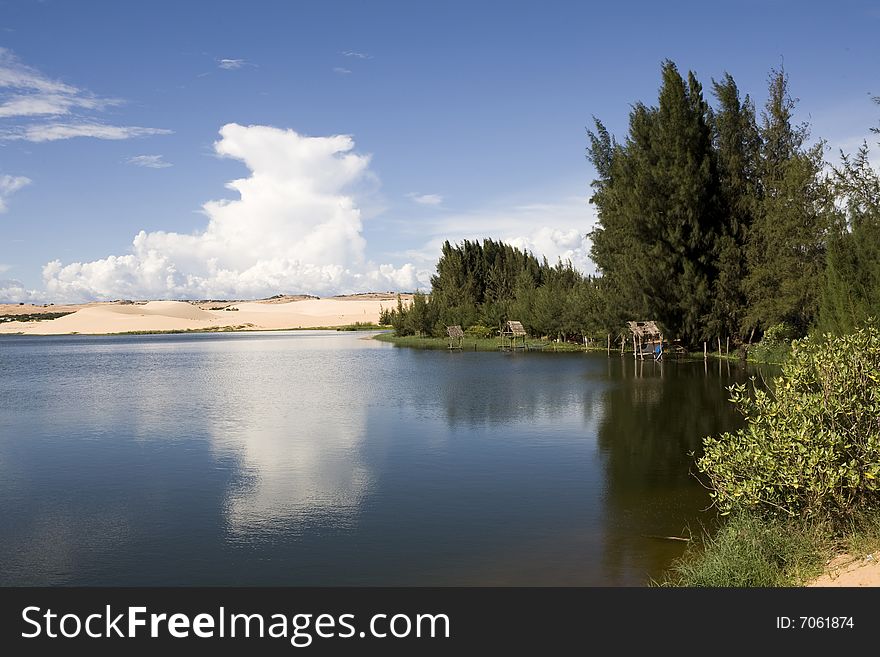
(556,229)
(357,55)
(341,70)
(4,268)
(16,75)
(149,161)
(25,94)
(49,104)
(12,291)
(426,199)
(56,131)
(8,186)
(294,228)
(232,64)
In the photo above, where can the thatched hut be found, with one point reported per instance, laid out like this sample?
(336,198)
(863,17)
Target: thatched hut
(511,334)
(456,335)
(647,339)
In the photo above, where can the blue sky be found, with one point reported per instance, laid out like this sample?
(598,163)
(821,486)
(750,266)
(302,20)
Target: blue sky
(362,134)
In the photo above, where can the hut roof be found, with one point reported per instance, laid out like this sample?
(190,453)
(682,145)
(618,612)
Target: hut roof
(455,331)
(514,328)
(644,329)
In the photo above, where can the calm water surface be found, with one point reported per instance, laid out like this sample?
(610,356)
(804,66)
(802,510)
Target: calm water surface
(322,458)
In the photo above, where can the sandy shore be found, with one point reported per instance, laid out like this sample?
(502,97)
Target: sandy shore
(846,570)
(266,314)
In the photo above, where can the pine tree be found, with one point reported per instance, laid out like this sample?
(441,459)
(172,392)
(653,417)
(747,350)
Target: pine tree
(786,250)
(851,286)
(737,145)
(658,202)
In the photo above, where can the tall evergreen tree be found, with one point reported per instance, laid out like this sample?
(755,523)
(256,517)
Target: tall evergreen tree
(851,287)
(658,203)
(786,250)
(737,144)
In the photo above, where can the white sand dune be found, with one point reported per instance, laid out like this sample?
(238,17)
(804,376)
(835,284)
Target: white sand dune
(181,315)
(176,309)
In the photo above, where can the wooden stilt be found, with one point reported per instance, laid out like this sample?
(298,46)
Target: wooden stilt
(719,346)
(727,347)
(705,352)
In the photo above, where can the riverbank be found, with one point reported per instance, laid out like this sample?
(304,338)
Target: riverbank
(752,551)
(127,317)
(469,343)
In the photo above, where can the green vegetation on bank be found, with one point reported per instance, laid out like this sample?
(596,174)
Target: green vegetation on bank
(470,343)
(811,444)
(748,550)
(801,480)
(32,317)
(359,326)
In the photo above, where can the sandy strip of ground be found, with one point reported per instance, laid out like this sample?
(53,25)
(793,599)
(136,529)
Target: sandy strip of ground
(846,570)
(40,309)
(182,315)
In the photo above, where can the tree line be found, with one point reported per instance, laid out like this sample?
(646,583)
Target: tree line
(713,220)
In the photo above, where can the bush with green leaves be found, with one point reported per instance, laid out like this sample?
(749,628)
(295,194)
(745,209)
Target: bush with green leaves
(811,444)
(480,331)
(775,344)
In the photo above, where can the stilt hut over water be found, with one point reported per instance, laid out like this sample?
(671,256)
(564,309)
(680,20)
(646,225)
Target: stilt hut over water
(647,340)
(456,335)
(511,334)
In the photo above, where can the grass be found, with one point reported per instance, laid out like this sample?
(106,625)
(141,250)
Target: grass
(360,326)
(747,550)
(473,344)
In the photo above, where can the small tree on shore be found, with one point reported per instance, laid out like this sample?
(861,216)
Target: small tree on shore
(811,444)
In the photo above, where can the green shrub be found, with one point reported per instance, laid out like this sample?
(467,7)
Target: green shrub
(811,444)
(775,344)
(479,331)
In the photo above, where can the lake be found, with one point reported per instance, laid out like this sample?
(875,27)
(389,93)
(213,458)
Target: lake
(327,458)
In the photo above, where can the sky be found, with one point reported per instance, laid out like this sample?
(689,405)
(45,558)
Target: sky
(229,150)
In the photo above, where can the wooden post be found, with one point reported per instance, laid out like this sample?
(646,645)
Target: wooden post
(705,352)
(634,346)
(622,343)
(609,344)
(719,346)
(727,347)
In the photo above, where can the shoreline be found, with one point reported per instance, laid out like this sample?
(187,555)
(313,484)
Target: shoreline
(351,312)
(343,328)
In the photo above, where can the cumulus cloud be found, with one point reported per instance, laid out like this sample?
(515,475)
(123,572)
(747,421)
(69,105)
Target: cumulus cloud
(149,161)
(355,54)
(13,291)
(26,94)
(341,71)
(8,186)
(295,227)
(426,199)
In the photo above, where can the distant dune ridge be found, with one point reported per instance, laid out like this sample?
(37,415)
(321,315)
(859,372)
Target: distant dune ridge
(265,314)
